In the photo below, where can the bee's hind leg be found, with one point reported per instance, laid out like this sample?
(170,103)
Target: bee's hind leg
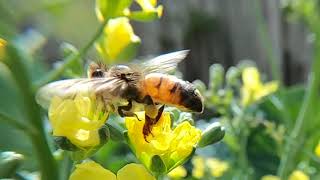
(160,111)
(149,122)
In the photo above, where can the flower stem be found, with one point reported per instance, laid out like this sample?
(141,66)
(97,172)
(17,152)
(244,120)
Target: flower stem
(32,116)
(266,42)
(71,59)
(242,154)
(17,124)
(304,114)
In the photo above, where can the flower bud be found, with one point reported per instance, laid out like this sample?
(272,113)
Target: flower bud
(9,162)
(216,76)
(111,8)
(213,134)
(150,11)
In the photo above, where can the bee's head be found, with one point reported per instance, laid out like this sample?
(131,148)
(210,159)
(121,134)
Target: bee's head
(124,72)
(120,69)
(191,98)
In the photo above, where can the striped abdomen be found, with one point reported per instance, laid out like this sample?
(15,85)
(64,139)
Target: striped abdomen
(170,90)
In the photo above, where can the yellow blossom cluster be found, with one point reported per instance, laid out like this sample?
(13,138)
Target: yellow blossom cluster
(92,170)
(119,40)
(216,167)
(78,119)
(173,146)
(295,175)
(253,89)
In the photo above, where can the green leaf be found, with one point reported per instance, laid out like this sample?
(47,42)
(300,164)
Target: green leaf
(157,167)
(115,132)
(126,136)
(213,134)
(104,134)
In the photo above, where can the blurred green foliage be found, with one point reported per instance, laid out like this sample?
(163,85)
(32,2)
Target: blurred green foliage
(275,135)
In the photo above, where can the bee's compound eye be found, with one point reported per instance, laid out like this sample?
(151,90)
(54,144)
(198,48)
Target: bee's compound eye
(97,73)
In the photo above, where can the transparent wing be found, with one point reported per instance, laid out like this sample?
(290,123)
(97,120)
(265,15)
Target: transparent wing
(164,63)
(71,87)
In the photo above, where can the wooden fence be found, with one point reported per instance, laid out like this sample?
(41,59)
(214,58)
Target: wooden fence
(228,31)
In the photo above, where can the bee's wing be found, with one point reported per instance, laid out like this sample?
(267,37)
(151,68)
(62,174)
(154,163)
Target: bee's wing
(71,87)
(164,63)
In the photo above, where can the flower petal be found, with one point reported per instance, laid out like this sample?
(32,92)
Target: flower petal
(118,35)
(134,172)
(91,170)
(178,172)
(78,119)
(317,150)
(298,175)
(172,146)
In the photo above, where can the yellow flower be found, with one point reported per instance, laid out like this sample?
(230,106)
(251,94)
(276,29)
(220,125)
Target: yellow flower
(178,173)
(172,146)
(150,6)
(298,175)
(118,36)
(92,170)
(3,44)
(198,167)
(217,167)
(270,177)
(78,119)
(317,150)
(253,89)
(134,172)
(111,8)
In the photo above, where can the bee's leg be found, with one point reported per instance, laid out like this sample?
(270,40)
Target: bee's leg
(160,111)
(149,122)
(125,110)
(147,128)
(146,100)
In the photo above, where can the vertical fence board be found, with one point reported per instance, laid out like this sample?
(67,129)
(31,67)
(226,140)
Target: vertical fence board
(227,32)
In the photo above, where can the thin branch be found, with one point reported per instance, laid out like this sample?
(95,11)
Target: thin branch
(273,60)
(71,59)
(17,124)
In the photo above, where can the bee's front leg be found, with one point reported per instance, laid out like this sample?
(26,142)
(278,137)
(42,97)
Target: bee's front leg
(126,110)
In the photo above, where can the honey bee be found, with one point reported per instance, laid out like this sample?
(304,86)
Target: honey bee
(125,88)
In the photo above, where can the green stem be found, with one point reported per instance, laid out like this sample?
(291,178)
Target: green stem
(305,112)
(46,162)
(241,135)
(266,42)
(243,140)
(71,59)
(17,124)
(66,167)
